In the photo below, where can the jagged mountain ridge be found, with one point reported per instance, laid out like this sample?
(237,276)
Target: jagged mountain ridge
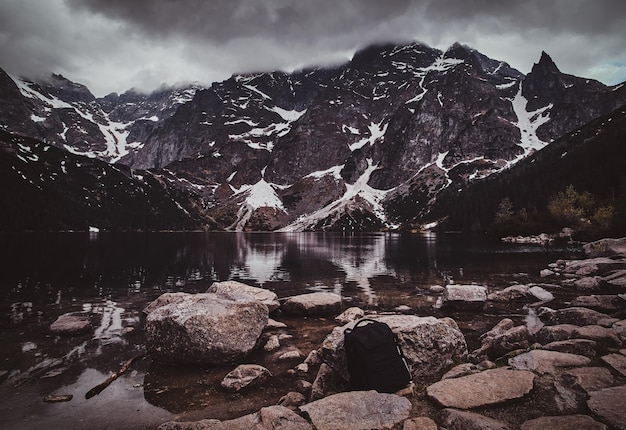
(67,115)
(333,148)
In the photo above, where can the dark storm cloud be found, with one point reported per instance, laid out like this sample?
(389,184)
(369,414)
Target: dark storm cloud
(111,45)
(223,20)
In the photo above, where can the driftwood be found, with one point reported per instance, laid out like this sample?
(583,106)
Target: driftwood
(112,377)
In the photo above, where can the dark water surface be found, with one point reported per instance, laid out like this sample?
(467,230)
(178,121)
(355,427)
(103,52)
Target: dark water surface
(113,276)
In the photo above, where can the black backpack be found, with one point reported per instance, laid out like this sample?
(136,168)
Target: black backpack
(375,359)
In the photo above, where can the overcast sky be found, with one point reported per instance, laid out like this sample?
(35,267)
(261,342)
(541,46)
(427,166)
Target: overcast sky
(113,45)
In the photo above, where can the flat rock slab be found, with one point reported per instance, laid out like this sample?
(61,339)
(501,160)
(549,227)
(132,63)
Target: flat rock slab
(313,304)
(542,361)
(566,422)
(269,418)
(71,325)
(608,404)
(489,387)
(592,378)
(617,362)
(456,419)
(358,410)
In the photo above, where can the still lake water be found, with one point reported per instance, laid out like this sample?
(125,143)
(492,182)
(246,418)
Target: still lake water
(115,275)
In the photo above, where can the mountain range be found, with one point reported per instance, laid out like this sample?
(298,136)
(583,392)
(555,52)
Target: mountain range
(392,139)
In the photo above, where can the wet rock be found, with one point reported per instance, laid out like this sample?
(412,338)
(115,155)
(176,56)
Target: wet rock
(608,404)
(605,248)
(430,345)
(205,328)
(602,335)
(541,293)
(58,398)
(269,418)
(542,361)
(489,387)
(358,410)
(566,422)
(544,273)
(313,304)
(521,293)
(164,299)
(616,361)
(419,423)
(267,297)
(453,419)
(584,347)
(464,297)
(510,340)
(245,376)
(592,378)
(349,315)
(272,344)
(71,325)
(554,333)
(575,315)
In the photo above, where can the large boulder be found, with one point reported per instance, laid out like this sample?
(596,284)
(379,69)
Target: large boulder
(358,410)
(205,328)
(267,297)
(313,304)
(608,404)
(431,345)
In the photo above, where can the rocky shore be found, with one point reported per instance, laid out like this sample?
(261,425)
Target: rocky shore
(562,366)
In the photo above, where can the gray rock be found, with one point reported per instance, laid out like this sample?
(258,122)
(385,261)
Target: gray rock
(269,418)
(554,333)
(267,297)
(245,376)
(608,404)
(584,347)
(419,423)
(489,387)
(430,345)
(616,361)
(541,361)
(71,325)
(541,294)
(273,324)
(510,340)
(272,343)
(324,382)
(358,410)
(454,419)
(593,266)
(164,299)
(589,283)
(292,399)
(464,297)
(605,248)
(565,422)
(349,315)
(592,378)
(205,328)
(577,316)
(313,304)
(602,335)
(601,303)
(616,278)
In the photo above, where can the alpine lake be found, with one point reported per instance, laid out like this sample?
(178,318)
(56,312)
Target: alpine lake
(113,276)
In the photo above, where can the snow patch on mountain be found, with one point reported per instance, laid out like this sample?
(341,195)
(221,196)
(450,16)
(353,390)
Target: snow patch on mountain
(360,190)
(376,131)
(528,123)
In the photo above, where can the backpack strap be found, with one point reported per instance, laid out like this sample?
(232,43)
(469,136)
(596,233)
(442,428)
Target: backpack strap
(362,320)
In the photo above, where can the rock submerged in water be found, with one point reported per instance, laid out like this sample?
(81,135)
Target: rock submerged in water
(71,325)
(245,376)
(205,328)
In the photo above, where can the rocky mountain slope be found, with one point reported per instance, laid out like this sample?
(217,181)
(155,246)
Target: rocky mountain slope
(363,146)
